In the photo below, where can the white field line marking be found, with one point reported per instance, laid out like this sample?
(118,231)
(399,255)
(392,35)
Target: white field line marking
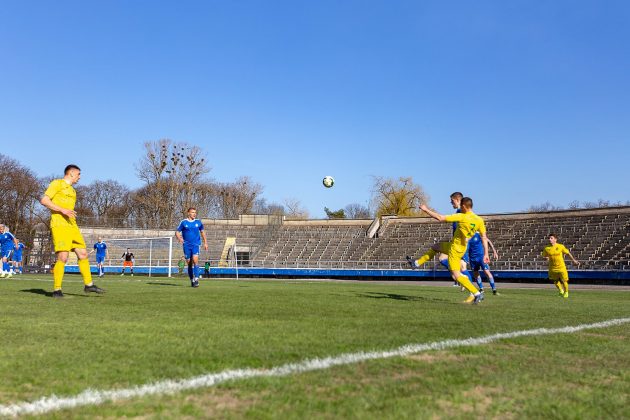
(95,396)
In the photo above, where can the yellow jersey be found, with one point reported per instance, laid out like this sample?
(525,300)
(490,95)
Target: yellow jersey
(467,225)
(555,253)
(64,195)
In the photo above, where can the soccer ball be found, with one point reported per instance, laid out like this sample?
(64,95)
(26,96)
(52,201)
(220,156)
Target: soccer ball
(328,181)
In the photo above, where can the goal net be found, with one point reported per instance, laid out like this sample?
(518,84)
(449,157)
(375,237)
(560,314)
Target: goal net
(152,256)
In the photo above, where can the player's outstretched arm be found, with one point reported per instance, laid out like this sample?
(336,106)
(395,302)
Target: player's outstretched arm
(433,214)
(494,251)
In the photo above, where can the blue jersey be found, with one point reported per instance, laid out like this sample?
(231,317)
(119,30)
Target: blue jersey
(191,231)
(7,241)
(475,248)
(455,223)
(18,251)
(100,248)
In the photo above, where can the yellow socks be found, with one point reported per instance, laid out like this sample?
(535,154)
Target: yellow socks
(58,270)
(84,268)
(426,257)
(464,281)
(559,286)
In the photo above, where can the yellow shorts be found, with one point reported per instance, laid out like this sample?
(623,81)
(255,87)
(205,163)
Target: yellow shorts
(559,275)
(455,255)
(67,238)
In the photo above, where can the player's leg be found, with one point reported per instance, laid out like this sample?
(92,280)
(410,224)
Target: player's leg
(454,262)
(195,259)
(490,277)
(564,277)
(555,278)
(58,271)
(477,276)
(6,267)
(415,263)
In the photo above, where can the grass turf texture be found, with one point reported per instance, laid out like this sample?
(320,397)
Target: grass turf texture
(150,329)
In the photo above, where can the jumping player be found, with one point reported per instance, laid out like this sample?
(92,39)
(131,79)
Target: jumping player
(558,273)
(468,223)
(189,233)
(60,198)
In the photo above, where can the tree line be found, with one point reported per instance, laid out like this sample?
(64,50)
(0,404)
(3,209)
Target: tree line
(174,177)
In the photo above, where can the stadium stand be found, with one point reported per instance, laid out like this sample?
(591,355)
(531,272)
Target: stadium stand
(598,238)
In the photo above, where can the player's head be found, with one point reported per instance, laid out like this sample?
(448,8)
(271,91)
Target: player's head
(72,173)
(553,238)
(456,199)
(100,239)
(128,249)
(1,228)
(466,204)
(192,212)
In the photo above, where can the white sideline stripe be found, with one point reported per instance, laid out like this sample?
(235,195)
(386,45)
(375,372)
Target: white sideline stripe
(95,396)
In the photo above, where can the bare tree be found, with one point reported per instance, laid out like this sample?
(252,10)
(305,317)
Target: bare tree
(237,197)
(293,208)
(19,207)
(172,173)
(104,203)
(357,211)
(399,196)
(546,206)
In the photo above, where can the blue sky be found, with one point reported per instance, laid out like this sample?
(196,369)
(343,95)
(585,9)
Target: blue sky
(512,102)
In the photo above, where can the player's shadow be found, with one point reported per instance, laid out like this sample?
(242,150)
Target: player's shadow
(394,296)
(49,294)
(152,283)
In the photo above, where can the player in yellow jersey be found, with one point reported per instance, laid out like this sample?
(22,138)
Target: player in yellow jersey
(558,273)
(60,198)
(468,223)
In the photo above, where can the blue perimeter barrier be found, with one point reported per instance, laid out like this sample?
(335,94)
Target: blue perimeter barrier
(620,276)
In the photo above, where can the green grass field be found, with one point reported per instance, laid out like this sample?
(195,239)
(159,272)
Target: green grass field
(147,330)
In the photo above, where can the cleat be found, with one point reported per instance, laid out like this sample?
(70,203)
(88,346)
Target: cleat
(2,275)
(122,274)
(565,295)
(57,294)
(478,299)
(494,292)
(9,275)
(561,293)
(413,263)
(469,299)
(195,282)
(93,289)
(131,274)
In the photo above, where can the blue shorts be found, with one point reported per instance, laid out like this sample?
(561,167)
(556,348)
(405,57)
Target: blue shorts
(477,265)
(6,253)
(190,250)
(466,258)
(100,259)
(17,258)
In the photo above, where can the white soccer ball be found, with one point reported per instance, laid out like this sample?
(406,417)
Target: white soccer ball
(328,181)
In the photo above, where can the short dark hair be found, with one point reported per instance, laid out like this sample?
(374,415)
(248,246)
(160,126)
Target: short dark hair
(552,234)
(457,194)
(467,201)
(70,167)
(191,208)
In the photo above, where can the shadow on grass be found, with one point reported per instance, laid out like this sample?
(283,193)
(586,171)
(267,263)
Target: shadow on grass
(152,283)
(49,294)
(394,296)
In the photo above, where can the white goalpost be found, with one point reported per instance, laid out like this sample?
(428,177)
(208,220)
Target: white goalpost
(152,256)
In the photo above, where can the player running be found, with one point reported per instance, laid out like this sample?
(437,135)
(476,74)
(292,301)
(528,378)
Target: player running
(189,233)
(7,244)
(477,264)
(468,223)
(101,253)
(60,198)
(558,273)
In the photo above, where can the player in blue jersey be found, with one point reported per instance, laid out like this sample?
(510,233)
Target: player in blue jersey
(7,244)
(101,253)
(475,257)
(18,257)
(190,233)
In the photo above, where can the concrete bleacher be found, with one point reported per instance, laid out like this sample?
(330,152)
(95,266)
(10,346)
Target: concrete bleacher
(598,238)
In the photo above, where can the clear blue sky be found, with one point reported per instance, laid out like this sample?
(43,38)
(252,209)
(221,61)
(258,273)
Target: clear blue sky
(512,102)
